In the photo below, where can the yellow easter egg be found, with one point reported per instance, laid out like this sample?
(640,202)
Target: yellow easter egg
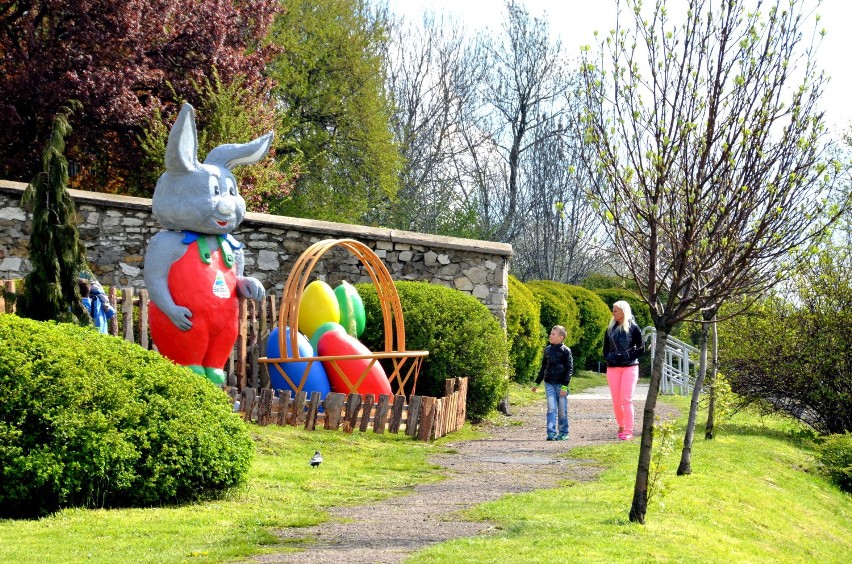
(318,305)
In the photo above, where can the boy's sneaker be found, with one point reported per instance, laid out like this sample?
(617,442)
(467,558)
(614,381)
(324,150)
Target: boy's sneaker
(551,437)
(561,437)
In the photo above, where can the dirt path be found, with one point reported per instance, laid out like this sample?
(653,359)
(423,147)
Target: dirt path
(514,458)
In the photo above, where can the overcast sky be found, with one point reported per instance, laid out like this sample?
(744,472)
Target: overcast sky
(576,20)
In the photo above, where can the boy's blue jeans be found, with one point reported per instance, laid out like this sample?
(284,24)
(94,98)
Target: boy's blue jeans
(556,403)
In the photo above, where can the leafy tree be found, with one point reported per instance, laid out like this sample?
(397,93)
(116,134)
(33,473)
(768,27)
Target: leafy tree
(335,116)
(56,252)
(123,60)
(711,160)
(794,356)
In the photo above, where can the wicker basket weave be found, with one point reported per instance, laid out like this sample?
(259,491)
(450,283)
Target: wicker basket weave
(405,364)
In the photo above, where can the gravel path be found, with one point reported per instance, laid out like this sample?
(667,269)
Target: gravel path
(514,458)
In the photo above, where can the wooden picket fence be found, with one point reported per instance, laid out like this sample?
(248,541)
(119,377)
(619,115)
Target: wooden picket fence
(423,418)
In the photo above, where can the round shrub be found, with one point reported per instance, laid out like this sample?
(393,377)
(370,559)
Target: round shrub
(90,420)
(557,308)
(524,332)
(463,339)
(594,317)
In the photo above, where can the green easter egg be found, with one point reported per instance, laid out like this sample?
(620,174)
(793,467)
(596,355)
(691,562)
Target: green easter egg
(352,315)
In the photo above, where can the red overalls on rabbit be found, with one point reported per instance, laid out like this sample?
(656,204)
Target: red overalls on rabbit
(203,281)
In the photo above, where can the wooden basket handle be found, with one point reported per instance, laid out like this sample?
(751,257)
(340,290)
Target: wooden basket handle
(299,277)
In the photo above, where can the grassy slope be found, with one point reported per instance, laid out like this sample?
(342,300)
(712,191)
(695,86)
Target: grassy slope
(751,498)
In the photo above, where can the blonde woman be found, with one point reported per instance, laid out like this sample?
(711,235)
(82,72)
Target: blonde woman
(622,348)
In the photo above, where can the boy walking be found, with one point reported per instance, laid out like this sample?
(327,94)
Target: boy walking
(557,367)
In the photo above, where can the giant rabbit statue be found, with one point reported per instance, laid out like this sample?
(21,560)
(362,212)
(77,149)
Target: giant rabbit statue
(194,267)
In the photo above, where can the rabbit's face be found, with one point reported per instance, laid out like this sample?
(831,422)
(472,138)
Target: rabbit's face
(205,201)
(202,197)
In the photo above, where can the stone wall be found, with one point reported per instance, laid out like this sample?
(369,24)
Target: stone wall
(116,230)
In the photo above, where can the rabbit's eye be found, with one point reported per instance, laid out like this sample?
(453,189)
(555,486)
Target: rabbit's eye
(230,187)
(214,185)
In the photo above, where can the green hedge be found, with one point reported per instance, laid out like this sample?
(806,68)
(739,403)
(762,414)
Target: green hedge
(94,421)
(463,339)
(557,308)
(834,454)
(524,331)
(594,317)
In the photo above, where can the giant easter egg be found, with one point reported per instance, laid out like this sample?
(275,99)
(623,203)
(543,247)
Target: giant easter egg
(318,306)
(321,330)
(338,343)
(315,380)
(352,315)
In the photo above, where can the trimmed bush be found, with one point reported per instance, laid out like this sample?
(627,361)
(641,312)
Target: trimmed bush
(557,308)
(834,455)
(524,331)
(461,335)
(594,317)
(89,420)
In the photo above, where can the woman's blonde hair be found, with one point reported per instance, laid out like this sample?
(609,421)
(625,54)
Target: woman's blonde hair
(628,316)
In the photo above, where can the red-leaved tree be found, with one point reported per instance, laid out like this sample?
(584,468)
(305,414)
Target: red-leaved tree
(123,60)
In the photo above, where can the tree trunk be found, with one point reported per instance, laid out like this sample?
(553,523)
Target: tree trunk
(685,467)
(711,408)
(640,489)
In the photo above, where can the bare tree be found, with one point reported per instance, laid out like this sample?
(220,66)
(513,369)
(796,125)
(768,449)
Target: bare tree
(713,159)
(521,97)
(560,239)
(432,73)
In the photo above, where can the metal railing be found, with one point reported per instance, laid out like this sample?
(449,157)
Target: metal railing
(678,366)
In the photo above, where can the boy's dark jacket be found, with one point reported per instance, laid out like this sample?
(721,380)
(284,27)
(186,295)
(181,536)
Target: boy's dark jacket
(557,366)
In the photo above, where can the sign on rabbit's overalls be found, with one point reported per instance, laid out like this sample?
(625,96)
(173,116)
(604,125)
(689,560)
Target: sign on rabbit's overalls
(194,267)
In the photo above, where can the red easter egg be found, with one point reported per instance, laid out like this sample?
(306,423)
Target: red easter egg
(338,343)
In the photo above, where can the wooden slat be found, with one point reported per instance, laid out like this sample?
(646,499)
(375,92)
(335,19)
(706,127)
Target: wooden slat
(143,319)
(353,406)
(284,403)
(366,412)
(298,409)
(438,427)
(248,402)
(413,420)
(396,414)
(113,300)
(333,406)
(264,411)
(313,408)
(242,337)
(462,405)
(427,419)
(381,414)
(127,313)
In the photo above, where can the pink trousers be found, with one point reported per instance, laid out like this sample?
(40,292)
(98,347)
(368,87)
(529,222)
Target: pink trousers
(622,383)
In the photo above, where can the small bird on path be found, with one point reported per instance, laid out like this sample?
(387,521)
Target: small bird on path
(316,460)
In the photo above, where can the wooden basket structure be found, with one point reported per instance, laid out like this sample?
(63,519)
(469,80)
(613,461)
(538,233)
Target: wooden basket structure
(406,364)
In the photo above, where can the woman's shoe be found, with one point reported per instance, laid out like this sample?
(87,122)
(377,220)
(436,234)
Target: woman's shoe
(626,436)
(621,436)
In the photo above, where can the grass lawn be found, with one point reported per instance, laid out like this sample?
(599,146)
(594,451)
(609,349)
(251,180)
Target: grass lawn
(753,496)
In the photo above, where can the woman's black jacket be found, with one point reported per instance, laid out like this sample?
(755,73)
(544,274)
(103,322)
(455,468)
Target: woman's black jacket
(623,348)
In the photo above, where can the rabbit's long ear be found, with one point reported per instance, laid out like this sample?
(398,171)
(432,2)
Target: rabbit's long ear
(232,155)
(182,148)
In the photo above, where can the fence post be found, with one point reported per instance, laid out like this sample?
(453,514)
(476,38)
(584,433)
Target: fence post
(143,319)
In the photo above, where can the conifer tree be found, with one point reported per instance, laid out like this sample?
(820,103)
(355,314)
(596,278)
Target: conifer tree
(56,252)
